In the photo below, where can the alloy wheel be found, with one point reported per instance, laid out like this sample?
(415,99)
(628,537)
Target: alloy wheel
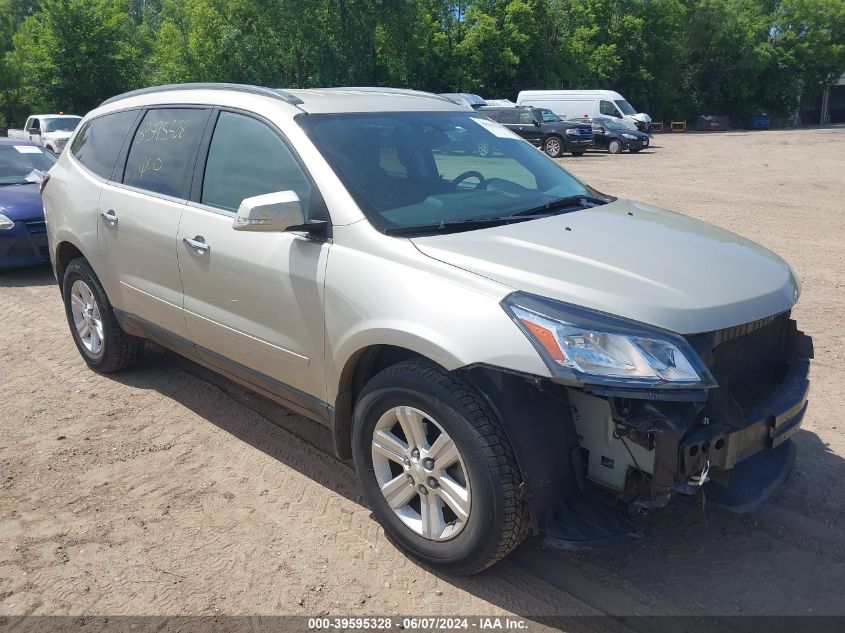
(86,317)
(553,147)
(421,473)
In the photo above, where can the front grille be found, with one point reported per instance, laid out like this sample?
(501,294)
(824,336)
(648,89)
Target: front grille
(750,360)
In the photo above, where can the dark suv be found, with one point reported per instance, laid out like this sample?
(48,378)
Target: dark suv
(542,128)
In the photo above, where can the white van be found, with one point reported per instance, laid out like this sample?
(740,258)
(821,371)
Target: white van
(576,104)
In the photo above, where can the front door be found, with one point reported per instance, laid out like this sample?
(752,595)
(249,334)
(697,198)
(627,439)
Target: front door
(528,129)
(253,300)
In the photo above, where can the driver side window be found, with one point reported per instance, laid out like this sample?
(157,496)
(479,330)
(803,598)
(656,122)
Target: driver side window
(608,109)
(248,158)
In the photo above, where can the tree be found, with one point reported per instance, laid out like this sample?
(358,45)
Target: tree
(809,36)
(75,53)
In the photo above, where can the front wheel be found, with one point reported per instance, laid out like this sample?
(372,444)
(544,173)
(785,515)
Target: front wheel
(437,468)
(553,146)
(614,147)
(95,330)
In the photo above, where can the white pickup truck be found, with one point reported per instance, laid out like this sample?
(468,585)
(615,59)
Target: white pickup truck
(50,130)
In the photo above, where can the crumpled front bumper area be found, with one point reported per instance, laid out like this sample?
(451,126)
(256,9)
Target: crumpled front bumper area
(739,455)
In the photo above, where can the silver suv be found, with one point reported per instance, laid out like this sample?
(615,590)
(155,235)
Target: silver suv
(501,349)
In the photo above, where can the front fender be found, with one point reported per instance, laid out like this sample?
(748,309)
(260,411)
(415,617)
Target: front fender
(386,292)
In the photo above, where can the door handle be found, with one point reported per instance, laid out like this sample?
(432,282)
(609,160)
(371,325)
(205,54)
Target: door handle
(198,244)
(109,217)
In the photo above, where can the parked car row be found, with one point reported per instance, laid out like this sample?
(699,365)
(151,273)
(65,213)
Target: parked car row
(559,121)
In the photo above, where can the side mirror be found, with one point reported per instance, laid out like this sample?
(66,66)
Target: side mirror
(277,211)
(34,130)
(536,122)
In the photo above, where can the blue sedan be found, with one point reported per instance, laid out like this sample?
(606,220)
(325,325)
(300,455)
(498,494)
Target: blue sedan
(23,233)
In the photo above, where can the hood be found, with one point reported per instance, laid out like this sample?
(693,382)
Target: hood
(21,202)
(62,134)
(641,116)
(631,260)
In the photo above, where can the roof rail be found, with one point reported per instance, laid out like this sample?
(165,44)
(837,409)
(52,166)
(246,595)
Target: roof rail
(396,91)
(257,90)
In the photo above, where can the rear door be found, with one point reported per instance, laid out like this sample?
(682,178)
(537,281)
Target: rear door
(510,119)
(253,300)
(140,211)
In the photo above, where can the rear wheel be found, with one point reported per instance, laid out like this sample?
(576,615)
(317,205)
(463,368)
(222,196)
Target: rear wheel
(553,146)
(614,147)
(437,469)
(95,330)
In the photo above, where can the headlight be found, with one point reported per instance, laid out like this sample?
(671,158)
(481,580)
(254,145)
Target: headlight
(572,131)
(5,223)
(630,136)
(585,347)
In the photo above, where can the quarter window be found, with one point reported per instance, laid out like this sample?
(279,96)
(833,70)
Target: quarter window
(248,158)
(97,144)
(163,152)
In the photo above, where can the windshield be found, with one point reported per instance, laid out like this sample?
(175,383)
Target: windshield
(626,107)
(62,124)
(20,164)
(549,116)
(409,169)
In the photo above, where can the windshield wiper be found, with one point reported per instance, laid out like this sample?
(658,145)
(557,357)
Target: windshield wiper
(583,202)
(468,225)
(579,201)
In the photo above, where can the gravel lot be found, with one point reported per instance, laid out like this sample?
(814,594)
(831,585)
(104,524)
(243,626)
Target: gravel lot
(167,490)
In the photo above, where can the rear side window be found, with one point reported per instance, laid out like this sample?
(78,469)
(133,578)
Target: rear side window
(162,155)
(98,143)
(248,158)
(496,115)
(509,116)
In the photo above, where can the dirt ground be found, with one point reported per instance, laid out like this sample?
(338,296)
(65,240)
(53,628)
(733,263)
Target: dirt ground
(166,490)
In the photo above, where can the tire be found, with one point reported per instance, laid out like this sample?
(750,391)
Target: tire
(483,466)
(483,149)
(614,147)
(553,146)
(579,152)
(99,338)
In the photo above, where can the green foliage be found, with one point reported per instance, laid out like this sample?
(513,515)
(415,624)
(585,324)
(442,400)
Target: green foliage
(673,58)
(71,54)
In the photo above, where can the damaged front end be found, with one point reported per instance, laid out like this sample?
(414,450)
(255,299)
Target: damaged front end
(730,441)
(638,442)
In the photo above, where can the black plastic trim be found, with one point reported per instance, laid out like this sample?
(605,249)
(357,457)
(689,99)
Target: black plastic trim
(286,395)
